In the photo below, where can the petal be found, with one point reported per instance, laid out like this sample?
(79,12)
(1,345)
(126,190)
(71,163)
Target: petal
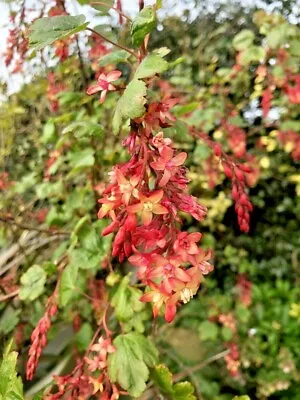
(134,208)
(194,237)
(113,76)
(170,312)
(158,165)
(120,177)
(166,153)
(193,249)
(102,97)
(156,196)
(126,197)
(165,178)
(102,77)
(111,87)
(148,297)
(159,209)
(146,217)
(182,275)
(179,159)
(93,89)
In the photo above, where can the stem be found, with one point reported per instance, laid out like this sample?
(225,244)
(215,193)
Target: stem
(113,43)
(203,364)
(26,227)
(100,3)
(9,295)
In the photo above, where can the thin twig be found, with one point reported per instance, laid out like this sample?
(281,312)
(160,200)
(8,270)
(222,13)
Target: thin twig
(9,295)
(100,3)
(18,260)
(113,43)
(197,367)
(11,221)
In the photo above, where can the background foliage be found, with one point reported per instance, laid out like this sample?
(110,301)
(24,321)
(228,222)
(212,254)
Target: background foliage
(234,71)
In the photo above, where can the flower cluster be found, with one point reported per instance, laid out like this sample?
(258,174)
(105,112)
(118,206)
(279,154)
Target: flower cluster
(243,206)
(89,377)
(39,338)
(236,139)
(144,200)
(232,360)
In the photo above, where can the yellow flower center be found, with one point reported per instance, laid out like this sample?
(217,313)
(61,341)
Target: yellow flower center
(186,295)
(148,206)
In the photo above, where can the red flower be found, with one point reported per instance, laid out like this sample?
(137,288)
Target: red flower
(185,244)
(168,164)
(104,84)
(149,206)
(127,187)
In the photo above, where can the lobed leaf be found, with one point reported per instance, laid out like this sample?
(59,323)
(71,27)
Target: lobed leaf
(32,283)
(144,23)
(151,65)
(129,365)
(131,104)
(45,31)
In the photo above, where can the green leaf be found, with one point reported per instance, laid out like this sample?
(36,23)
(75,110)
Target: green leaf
(208,330)
(32,283)
(45,31)
(245,397)
(114,57)
(68,284)
(82,158)
(128,307)
(151,65)
(252,54)
(85,259)
(11,387)
(131,104)
(226,333)
(84,128)
(183,391)
(9,320)
(129,365)
(49,132)
(163,379)
(83,337)
(104,9)
(93,248)
(144,23)
(243,39)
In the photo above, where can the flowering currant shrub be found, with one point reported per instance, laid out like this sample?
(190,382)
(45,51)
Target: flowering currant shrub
(120,197)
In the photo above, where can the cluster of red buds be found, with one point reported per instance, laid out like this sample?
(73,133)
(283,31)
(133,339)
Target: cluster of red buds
(243,207)
(232,360)
(240,174)
(54,88)
(143,199)
(236,139)
(39,338)
(17,46)
(244,287)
